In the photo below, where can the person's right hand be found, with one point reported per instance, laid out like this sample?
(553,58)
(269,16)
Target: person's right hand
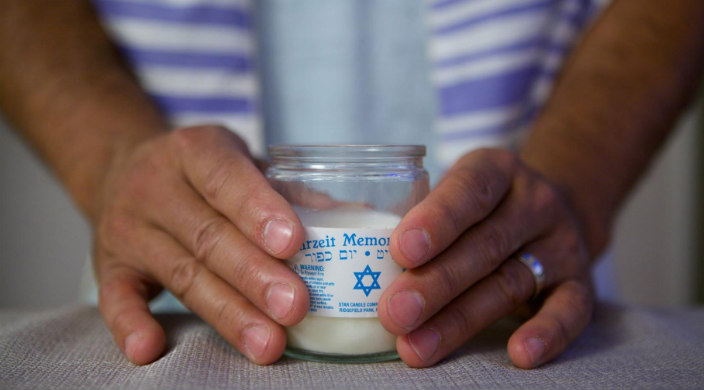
(189,211)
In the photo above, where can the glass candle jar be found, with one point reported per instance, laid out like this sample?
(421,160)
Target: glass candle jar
(349,199)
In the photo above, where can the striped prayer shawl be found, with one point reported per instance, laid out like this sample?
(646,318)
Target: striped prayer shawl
(196,58)
(493,62)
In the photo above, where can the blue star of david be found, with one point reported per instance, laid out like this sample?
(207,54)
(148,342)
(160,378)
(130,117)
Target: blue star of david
(375,281)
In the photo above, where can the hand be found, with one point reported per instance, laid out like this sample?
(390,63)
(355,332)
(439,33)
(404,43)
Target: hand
(190,211)
(460,244)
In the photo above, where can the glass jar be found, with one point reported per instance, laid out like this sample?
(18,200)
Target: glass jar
(349,199)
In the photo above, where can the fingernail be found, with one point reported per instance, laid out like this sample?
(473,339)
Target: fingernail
(535,348)
(256,339)
(131,345)
(415,245)
(279,299)
(424,342)
(405,308)
(277,235)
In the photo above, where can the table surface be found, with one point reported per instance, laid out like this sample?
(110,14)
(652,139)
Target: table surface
(622,348)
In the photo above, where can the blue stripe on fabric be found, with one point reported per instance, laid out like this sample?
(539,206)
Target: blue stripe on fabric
(580,18)
(589,7)
(477,133)
(576,20)
(494,15)
(493,130)
(491,92)
(533,42)
(446,3)
(210,105)
(233,62)
(198,15)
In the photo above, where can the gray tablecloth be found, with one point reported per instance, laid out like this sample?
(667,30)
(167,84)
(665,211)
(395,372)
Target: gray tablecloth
(623,348)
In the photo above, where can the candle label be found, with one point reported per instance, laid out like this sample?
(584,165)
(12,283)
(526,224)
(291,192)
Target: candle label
(346,270)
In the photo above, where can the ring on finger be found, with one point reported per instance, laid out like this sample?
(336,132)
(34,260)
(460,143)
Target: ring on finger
(536,269)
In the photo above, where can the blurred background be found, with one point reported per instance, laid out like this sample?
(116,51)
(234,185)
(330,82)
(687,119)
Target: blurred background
(656,258)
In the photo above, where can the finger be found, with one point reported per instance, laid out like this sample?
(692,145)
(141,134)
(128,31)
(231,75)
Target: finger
(419,293)
(123,297)
(564,316)
(231,314)
(467,194)
(266,282)
(218,166)
(495,296)
(491,299)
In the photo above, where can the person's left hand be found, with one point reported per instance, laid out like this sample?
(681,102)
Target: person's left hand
(460,245)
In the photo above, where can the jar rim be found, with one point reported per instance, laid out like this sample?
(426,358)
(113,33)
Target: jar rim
(346,150)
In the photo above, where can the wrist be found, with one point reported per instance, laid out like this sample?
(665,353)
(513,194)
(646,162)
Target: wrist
(110,156)
(92,140)
(590,200)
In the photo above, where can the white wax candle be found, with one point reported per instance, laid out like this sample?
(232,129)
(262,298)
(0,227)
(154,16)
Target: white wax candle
(347,336)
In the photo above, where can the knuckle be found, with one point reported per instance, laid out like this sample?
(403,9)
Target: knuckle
(207,236)
(114,229)
(238,143)
(250,204)
(504,159)
(446,211)
(224,312)
(575,251)
(460,321)
(194,137)
(508,158)
(252,208)
(495,245)
(572,241)
(476,188)
(248,272)
(444,277)
(217,180)
(188,137)
(472,196)
(183,141)
(182,277)
(547,198)
(511,285)
(550,194)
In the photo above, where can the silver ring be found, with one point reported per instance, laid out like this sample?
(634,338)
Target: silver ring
(536,268)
